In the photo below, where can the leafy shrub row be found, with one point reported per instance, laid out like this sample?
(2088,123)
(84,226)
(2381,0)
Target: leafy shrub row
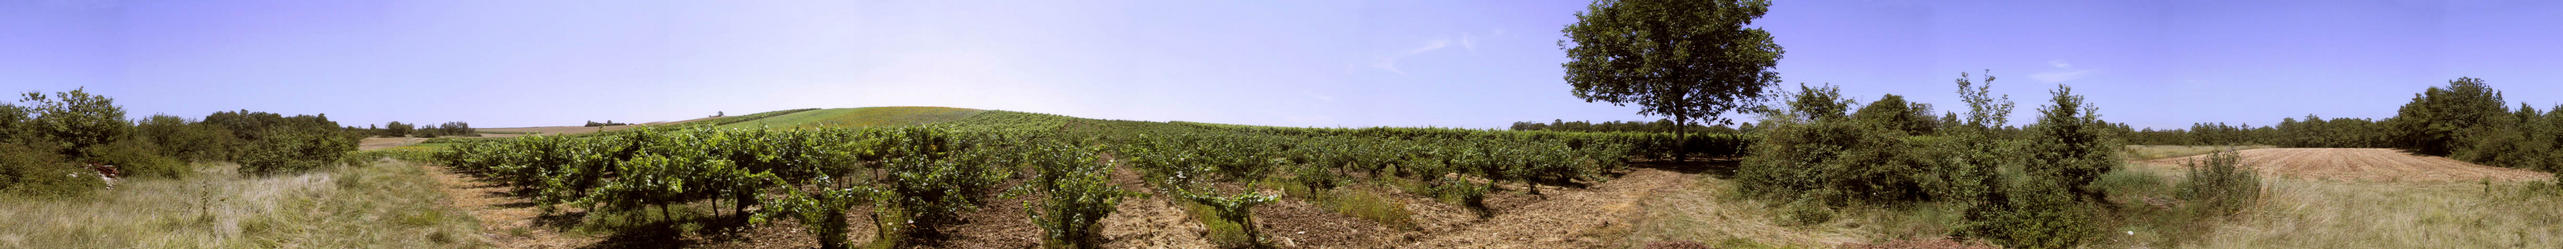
(52,138)
(2028,187)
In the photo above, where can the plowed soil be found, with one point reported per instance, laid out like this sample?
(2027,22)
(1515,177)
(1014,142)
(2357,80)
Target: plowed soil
(2376,165)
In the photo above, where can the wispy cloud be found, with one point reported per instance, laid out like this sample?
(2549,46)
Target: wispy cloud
(2064,71)
(1389,63)
(1467,41)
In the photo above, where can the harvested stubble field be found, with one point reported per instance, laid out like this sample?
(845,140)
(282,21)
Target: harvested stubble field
(2364,164)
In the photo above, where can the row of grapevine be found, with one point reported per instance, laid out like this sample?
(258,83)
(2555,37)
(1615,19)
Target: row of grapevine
(919,176)
(924,176)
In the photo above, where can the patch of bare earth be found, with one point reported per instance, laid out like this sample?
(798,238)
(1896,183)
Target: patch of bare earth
(1150,222)
(1566,217)
(507,221)
(375,143)
(2363,164)
(1298,224)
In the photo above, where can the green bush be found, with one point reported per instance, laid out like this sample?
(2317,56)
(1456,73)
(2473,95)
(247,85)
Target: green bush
(137,159)
(1234,209)
(1850,160)
(2031,213)
(941,175)
(1464,192)
(1077,194)
(2071,145)
(2220,185)
(1808,211)
(36,171)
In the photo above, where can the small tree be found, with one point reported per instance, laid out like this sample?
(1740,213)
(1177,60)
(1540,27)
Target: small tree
(2072,145)
(1692,60)
(396,129)
(80,122)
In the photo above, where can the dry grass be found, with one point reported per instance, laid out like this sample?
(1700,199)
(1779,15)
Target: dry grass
(2150,152)
(377,206)
(1697,213)
(2358,164)
(2335,214)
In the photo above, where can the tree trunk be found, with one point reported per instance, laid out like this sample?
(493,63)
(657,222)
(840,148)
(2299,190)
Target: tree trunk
(1681,141)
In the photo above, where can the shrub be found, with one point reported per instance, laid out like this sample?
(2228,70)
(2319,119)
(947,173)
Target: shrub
(1893,113)
(135,158)
(1464,192)
(1807,211)
(36,171)
(2031,213)
(940,175)
(82,122)
(1234,209)
(1077,194)
(2071,145)
(1850,160)
(2220,185)
(822,209)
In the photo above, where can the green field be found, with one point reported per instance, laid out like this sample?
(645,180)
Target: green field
(854,117)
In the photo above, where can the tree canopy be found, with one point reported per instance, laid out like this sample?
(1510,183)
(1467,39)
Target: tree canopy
(1691,60)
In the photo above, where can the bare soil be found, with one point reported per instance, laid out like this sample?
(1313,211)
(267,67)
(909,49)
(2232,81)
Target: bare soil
(1567,217)
(2363,164)
(507,221)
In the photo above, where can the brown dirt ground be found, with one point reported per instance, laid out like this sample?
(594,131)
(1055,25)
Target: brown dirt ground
(2361,164)
(1567,217)
(375,143)
(507,221)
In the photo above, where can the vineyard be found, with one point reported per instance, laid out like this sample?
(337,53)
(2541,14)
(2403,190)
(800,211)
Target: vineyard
(914,179)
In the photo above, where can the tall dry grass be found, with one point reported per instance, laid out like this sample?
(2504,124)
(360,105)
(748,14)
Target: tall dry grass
(387,204)
(2150,152)
(2334,214)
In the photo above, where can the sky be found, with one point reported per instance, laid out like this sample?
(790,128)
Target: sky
(1472,64)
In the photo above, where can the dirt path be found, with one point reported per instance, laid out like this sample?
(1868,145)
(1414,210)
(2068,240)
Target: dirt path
(1569,218)
(1148,222)
(2383,165)
(507,221)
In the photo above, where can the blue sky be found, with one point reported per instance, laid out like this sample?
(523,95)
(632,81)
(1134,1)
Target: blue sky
(1477,64)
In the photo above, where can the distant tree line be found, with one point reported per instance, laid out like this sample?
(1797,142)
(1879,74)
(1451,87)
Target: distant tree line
(55,145)
(606,123)
(398,129)
(2465,120)
(1659,125)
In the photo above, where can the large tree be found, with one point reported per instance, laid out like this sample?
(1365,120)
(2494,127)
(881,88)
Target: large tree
(1691,60)
(2439,121)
